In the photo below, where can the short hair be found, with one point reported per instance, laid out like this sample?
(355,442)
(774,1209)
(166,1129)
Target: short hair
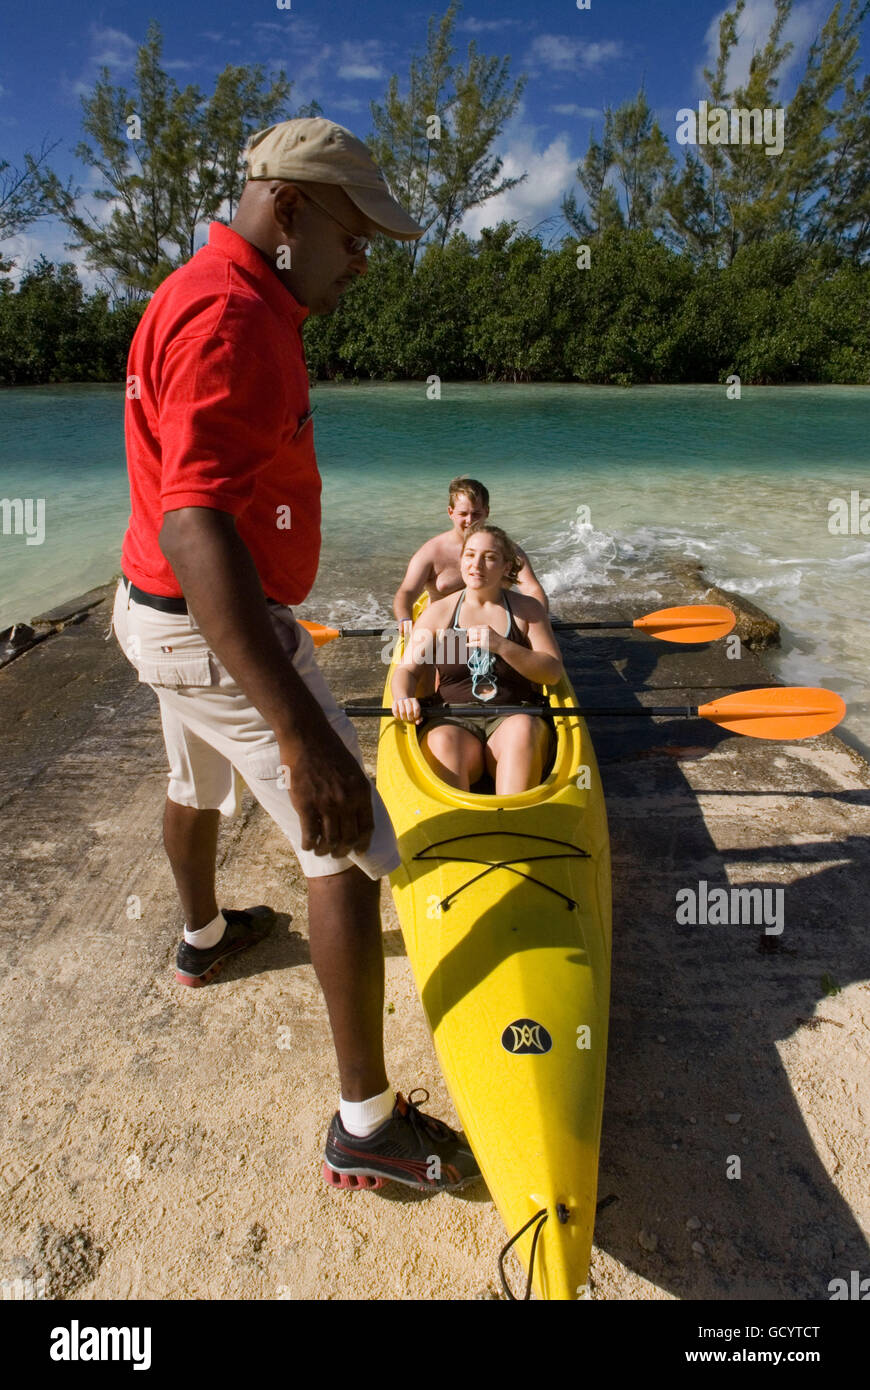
(469,487)
(509,548)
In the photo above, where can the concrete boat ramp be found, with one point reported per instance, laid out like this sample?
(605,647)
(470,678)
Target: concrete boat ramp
(166,1143)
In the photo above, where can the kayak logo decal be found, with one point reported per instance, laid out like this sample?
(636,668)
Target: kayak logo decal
(525,1036)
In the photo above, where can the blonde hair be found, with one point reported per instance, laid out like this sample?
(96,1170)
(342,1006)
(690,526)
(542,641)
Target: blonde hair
(508,548)
(463,486)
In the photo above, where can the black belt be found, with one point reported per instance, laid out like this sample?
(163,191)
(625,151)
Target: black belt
(169,605)
(166,605)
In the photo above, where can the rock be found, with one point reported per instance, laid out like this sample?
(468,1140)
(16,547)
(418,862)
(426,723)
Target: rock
(67,1260)
(15,640)
(733,1119)
(647,1240)
(693,1224)
(698,1248)
(75,607)
(755,628)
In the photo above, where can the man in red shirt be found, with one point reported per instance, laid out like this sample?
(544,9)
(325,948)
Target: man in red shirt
(224,536)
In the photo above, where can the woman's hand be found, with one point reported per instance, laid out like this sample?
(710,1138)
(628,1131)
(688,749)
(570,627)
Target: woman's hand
(486,638)
(407,708)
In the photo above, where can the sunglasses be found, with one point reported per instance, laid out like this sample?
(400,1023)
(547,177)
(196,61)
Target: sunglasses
(356,245)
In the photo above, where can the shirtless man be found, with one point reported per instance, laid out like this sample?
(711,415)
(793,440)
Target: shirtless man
(436,564)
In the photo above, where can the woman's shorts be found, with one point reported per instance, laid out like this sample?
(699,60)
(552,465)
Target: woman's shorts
(483,727)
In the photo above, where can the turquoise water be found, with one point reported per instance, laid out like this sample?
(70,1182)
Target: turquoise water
(665,472)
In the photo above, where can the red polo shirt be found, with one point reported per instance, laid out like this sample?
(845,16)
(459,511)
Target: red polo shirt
(218,415)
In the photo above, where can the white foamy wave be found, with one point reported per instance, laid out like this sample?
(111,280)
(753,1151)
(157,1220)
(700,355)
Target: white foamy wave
(590,557)
(364,611)
(744,584)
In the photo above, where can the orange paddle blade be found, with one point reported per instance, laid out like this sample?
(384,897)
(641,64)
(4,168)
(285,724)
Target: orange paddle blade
(786,711)
(702,622)
(320,632)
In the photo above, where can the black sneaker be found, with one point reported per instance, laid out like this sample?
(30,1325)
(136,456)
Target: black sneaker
(244,928)
(410,1148)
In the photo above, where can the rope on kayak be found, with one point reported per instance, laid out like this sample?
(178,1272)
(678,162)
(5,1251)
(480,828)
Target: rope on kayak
(540,1217)
(509,864)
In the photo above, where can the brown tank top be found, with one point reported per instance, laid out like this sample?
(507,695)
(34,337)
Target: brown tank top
(455,680)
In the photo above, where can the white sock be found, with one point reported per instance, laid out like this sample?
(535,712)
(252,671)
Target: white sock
(206,936)
(363,1117)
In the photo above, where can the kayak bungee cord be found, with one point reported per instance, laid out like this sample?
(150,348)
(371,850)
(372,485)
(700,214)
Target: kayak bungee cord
(540,1217)
(575,853)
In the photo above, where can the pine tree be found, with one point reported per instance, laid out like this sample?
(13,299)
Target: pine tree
(434,145)
(169,159)
(634,156)
(22,198)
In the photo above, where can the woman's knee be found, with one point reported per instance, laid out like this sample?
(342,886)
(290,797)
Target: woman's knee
(451,745)
(520,733)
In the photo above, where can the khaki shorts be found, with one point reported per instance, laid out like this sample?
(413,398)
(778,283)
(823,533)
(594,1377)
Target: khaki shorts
(483,726)
(216,740)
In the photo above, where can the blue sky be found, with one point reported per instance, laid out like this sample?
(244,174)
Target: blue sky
(342,54)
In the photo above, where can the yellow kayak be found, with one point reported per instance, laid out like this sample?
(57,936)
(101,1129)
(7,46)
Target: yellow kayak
(504,904)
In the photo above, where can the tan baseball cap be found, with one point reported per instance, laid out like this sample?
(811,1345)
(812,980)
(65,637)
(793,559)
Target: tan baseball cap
(312,149)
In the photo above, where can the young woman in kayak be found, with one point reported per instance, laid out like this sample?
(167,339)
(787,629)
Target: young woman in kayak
(490,645)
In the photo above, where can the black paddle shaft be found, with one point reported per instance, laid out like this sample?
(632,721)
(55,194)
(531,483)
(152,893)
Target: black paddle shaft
(543,712)
(388,630)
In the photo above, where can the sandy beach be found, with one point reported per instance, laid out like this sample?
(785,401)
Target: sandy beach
(166,1143)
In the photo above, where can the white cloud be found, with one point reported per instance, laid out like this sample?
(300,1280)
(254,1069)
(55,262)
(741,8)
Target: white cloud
(352,72)
(111,48)
(47,238)
(552,171)
(482,26)
(570,108)
(296,31)
(215,37)
(348,104)
(361,61)
(558,53)
(752,30)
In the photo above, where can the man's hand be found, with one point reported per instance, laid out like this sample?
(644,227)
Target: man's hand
(332,797)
